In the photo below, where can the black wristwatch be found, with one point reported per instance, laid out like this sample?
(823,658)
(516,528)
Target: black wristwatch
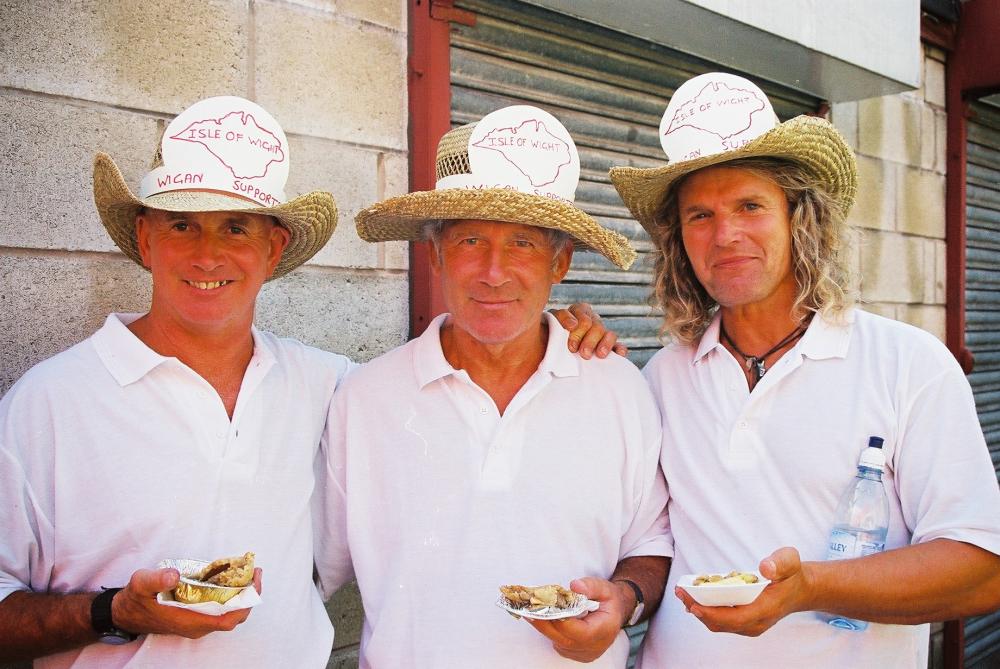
(100,619)
(639,602)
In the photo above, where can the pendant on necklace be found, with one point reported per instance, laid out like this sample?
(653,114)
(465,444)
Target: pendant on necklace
(757,365)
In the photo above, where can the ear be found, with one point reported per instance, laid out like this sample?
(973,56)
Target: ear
(434,256)
(279,239)
(142,225)
(560,264)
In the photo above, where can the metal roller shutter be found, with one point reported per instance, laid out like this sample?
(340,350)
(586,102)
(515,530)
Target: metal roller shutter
(609,90)
(982,334)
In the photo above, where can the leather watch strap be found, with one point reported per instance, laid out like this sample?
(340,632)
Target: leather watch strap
(100,616)
(639,601)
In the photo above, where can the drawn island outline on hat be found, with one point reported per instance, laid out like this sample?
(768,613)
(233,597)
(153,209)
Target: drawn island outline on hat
(529,151)
(724,122)
(225,145)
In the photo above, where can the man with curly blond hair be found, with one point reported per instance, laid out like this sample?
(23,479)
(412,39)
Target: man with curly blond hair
(772,386)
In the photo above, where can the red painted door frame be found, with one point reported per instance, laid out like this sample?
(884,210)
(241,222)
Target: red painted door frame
(429,91)
(971,71)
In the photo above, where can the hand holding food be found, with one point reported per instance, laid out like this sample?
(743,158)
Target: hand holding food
(736,588)
(548,602)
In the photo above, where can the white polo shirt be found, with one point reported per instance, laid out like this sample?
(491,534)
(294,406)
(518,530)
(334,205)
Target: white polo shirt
(113,457)
(751,472)
(440,499)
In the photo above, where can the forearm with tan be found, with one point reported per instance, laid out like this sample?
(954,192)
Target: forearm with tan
(649,572)
(34,624)
(928,582)
(41,624)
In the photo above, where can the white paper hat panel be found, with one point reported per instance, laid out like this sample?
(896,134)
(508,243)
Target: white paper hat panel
(520,148)
(225,144)
(713,113)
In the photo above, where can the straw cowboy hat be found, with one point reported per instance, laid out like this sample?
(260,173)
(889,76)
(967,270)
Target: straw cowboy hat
(717,118)
(220,154)
(517,164)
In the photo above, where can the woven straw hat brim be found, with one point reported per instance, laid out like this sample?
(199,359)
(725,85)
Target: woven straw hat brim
(810,141)
(310,219)
(402,217)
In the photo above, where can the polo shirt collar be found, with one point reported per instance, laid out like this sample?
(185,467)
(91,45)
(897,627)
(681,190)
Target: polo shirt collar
(128,359)
(430,364)
(823,339)
(558,360)
(123,354)
(826,339)
(709,339)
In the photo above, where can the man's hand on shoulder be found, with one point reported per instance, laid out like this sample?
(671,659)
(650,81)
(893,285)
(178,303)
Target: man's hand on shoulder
(587,334)
(136,610)
(586,639)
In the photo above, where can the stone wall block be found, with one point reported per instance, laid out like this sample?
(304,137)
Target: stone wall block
(844,116)
(160,56)
(351,175)
(52,301)
(892,268)
(47,163)
(930,265)
(940,272)
(924,316)
(921,203)
(881,308)
(933,84)
(940,142)
(395,181)
(928,142)
(360,314)
(329,78)
(389,13)
(889,128)
(875,203)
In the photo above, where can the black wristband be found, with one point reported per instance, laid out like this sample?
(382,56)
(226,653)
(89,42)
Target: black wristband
(640,604)
(100,616)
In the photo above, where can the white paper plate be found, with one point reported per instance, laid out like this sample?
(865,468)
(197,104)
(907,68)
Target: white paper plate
(582,606)
(723,595)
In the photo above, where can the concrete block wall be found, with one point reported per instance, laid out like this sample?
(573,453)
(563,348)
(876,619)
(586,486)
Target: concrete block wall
(92,75)
(900,208)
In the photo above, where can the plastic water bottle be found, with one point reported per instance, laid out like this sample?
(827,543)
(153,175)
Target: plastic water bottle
(862,520)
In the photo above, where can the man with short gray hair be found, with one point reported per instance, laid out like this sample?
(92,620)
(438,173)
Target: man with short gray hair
(482,453)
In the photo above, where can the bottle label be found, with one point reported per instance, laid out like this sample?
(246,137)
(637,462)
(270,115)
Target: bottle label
(869,547)
(842,545)
(845,544)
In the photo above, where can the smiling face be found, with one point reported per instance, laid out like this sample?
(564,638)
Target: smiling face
(207,267)
(496,278)
(737,235)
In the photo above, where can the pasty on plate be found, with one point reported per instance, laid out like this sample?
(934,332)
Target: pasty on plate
(732,578)
(234,572)
(539,597)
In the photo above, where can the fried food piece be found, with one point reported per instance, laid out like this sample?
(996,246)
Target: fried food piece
(732,578)
(234,572)
(538,597)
